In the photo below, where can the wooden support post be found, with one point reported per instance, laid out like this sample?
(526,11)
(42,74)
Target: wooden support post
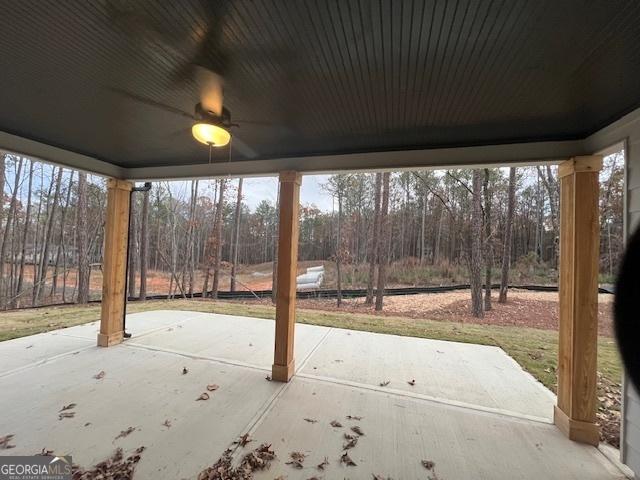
(284,364)
(114,263)
(575,413)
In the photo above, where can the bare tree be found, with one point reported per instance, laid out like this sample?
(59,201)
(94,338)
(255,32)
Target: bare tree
(506,250)
(375,239)
(25,234)
(552,187)
(7,228)
(144,244)
(384,240)
(131,282)
(476,246)
(488,240)
(217,233)
(82,239)
(46,241)
(61,240)
(236,237)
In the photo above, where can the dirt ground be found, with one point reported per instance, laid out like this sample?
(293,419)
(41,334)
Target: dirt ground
(525,308)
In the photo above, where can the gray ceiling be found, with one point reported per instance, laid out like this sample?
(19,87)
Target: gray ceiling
(325,76)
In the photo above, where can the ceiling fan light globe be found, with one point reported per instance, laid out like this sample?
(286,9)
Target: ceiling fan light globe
(210,134)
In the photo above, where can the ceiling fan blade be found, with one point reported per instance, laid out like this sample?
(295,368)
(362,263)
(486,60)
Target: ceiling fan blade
(242,147)
(210,85)
(152,103)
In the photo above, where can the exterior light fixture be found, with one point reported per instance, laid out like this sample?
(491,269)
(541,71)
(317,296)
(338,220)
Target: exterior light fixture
(210,134)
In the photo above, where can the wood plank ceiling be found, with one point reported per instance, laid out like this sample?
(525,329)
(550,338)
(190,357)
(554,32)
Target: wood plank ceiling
(317,77)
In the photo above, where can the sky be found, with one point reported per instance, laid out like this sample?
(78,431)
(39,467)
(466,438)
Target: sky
(266,188)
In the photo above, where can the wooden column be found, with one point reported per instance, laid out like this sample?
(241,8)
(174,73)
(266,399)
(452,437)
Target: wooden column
(575,413)
(114,263)
(284,364)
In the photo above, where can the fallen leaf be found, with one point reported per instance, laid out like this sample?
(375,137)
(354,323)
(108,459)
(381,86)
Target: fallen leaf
(29,346)
(321,466)
(352,440)
(203,396)
(243,440)
(268,378)
(353,417)
(297,459)
(310,420)
(385,383)
(68,407)
(336,424)
(115,467)
(4,442)
(66,415)
(124,433)
(87,424)
(346,459)
(428,464)
(184,370)
(412,382)
(45,453)
(99,375)
(167,423)
(212,387)
(357,429)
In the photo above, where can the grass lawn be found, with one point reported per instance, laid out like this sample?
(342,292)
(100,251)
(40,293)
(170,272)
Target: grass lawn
(536,350)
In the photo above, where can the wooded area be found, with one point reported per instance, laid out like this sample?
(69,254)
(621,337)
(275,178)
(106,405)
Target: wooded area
(386,229)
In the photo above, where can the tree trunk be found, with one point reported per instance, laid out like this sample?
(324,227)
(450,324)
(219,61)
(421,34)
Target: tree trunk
(236,237)
(5,238)
(506,251)
(476,247)
(275,240)
(60,246)
(144,244)
(3,158)
(488,241)
(384,240)
(373,251)
(423,227)
(551,185)
(25,236)
(131,282)
(83,243)
(46,241)
(217,228)
(339,252)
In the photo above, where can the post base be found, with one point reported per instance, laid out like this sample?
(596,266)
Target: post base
(283,373)
(105,340)
(576,430)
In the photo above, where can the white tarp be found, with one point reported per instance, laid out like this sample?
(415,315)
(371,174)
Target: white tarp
(312,279)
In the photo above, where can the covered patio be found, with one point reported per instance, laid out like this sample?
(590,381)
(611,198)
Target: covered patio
(473,411)
(109,87)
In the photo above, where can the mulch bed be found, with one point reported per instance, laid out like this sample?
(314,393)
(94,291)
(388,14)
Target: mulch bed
(524,309)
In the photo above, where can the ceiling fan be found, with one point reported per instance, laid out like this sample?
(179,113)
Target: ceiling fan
(211,121)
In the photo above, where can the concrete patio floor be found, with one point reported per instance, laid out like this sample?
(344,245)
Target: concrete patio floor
(472,411)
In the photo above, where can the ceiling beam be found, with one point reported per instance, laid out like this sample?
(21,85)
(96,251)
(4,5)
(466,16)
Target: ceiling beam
(58,156)
(485,156)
